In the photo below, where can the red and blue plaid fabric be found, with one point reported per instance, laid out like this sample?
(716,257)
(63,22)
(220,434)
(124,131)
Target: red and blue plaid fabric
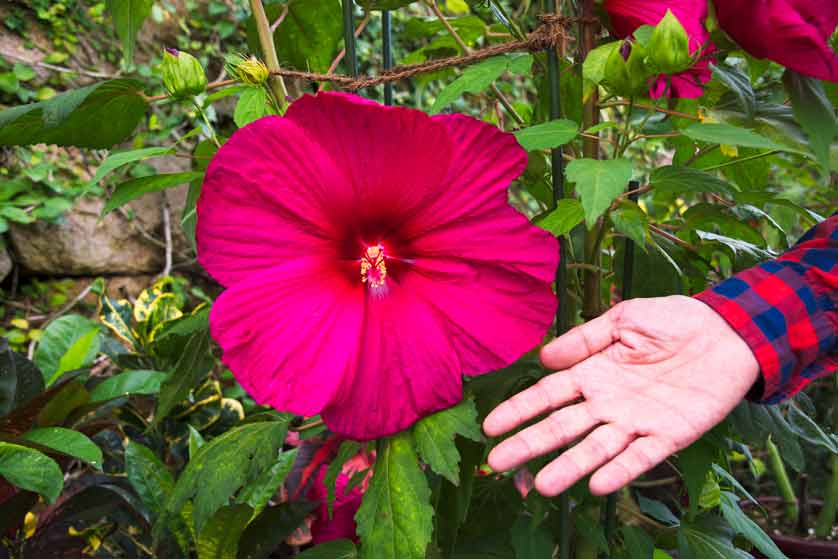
(786,310)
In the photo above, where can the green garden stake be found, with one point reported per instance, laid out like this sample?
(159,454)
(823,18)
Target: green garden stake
(387,39)
(349,36)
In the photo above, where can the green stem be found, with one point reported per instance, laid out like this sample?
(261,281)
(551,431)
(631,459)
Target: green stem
(742,160)
(826,518)
(590,117)
(781,476)
(266,41)
(206,121)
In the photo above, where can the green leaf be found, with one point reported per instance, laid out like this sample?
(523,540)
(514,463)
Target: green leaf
(31,470)
(436,434)
(97,116)
(267,531)
(395,520)
(194,363)
(120,158)
(20,379)
(695,463)
(126,384)
(308,38)
(252,105)
(740,522)
(220,537)
(593,69)
(598,183)
(638,543)
(530,540)
(335,549)
(658,511)
(196,441)
(567,214)
(128,17)
(547,135)
(224,465)
(716,133)
(474,79)
(737,246)
(23,72)
(807,429)
(739,84)
(384,5)
(151,479)
(347,450)
(68,343)
(815,113)
(257,493)
(134,188)
(676,180)
(632,222)
(66,441)
(706,540)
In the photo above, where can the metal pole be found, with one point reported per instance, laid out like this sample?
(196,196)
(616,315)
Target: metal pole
(349,36)
(387,35)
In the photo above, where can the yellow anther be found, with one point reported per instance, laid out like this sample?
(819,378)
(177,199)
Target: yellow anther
(373,266)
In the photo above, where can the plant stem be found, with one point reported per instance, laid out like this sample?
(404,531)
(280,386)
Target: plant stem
(826,518)
(742,160)
(651,108)
(590,147)
(781,476)
(266,41)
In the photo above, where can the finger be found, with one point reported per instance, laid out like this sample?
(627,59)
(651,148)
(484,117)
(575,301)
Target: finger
(582,342)
(641,456)
(547,394)
(555,431)
(603,444)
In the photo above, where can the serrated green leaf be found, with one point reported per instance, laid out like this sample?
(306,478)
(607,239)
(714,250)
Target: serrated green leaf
(66,441)
(547,135)
(815,113)
(717,133)
(598,183)
(128,17)
(335,549)
(69,342)
(252,105)
(224,465)
(740,522)
(194,363)
(695,463)
(220,537)
(119,159)
(632,222)
(474,79)
(567,214)
(257,493)
(31,470)
(706,540)
(682,180)
(126,384)
(739,84)
(531,541)
(97,116)
(134,188)
(436,434)
(395,520)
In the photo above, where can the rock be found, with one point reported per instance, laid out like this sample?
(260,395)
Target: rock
(5,263)
(80,244)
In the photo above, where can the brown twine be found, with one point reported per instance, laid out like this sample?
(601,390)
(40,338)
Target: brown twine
(550,34)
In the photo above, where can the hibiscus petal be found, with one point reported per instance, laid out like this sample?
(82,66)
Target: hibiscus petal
(269,195)
(290,334)
(395,158)
(794,33)
(493,314)
(407,368)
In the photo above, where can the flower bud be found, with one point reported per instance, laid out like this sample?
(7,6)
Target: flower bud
(182,74)
(669,47)
(626,73)
(249,70)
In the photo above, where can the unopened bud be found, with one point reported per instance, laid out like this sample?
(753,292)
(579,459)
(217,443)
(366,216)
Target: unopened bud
(182,74)
(669,47)
(249,70)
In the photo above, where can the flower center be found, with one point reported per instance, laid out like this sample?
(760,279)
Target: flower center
(373,266)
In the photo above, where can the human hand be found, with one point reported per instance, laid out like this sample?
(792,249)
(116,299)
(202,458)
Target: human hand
(653,375)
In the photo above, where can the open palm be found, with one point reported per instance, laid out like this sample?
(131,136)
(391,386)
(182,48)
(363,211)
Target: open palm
(642,381)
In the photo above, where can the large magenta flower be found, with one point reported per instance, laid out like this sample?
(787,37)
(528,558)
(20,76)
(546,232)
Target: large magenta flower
(794,33)
(371,258)
(627,15)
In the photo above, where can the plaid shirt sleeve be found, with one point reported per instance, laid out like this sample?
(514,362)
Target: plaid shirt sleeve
(786,310)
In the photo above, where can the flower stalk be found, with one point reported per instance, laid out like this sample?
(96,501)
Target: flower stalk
(784,486)
(266,41)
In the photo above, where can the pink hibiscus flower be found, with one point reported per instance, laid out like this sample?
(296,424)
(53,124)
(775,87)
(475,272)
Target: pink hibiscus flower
(341,523)
(794,33)
(371,259)
(627,15)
